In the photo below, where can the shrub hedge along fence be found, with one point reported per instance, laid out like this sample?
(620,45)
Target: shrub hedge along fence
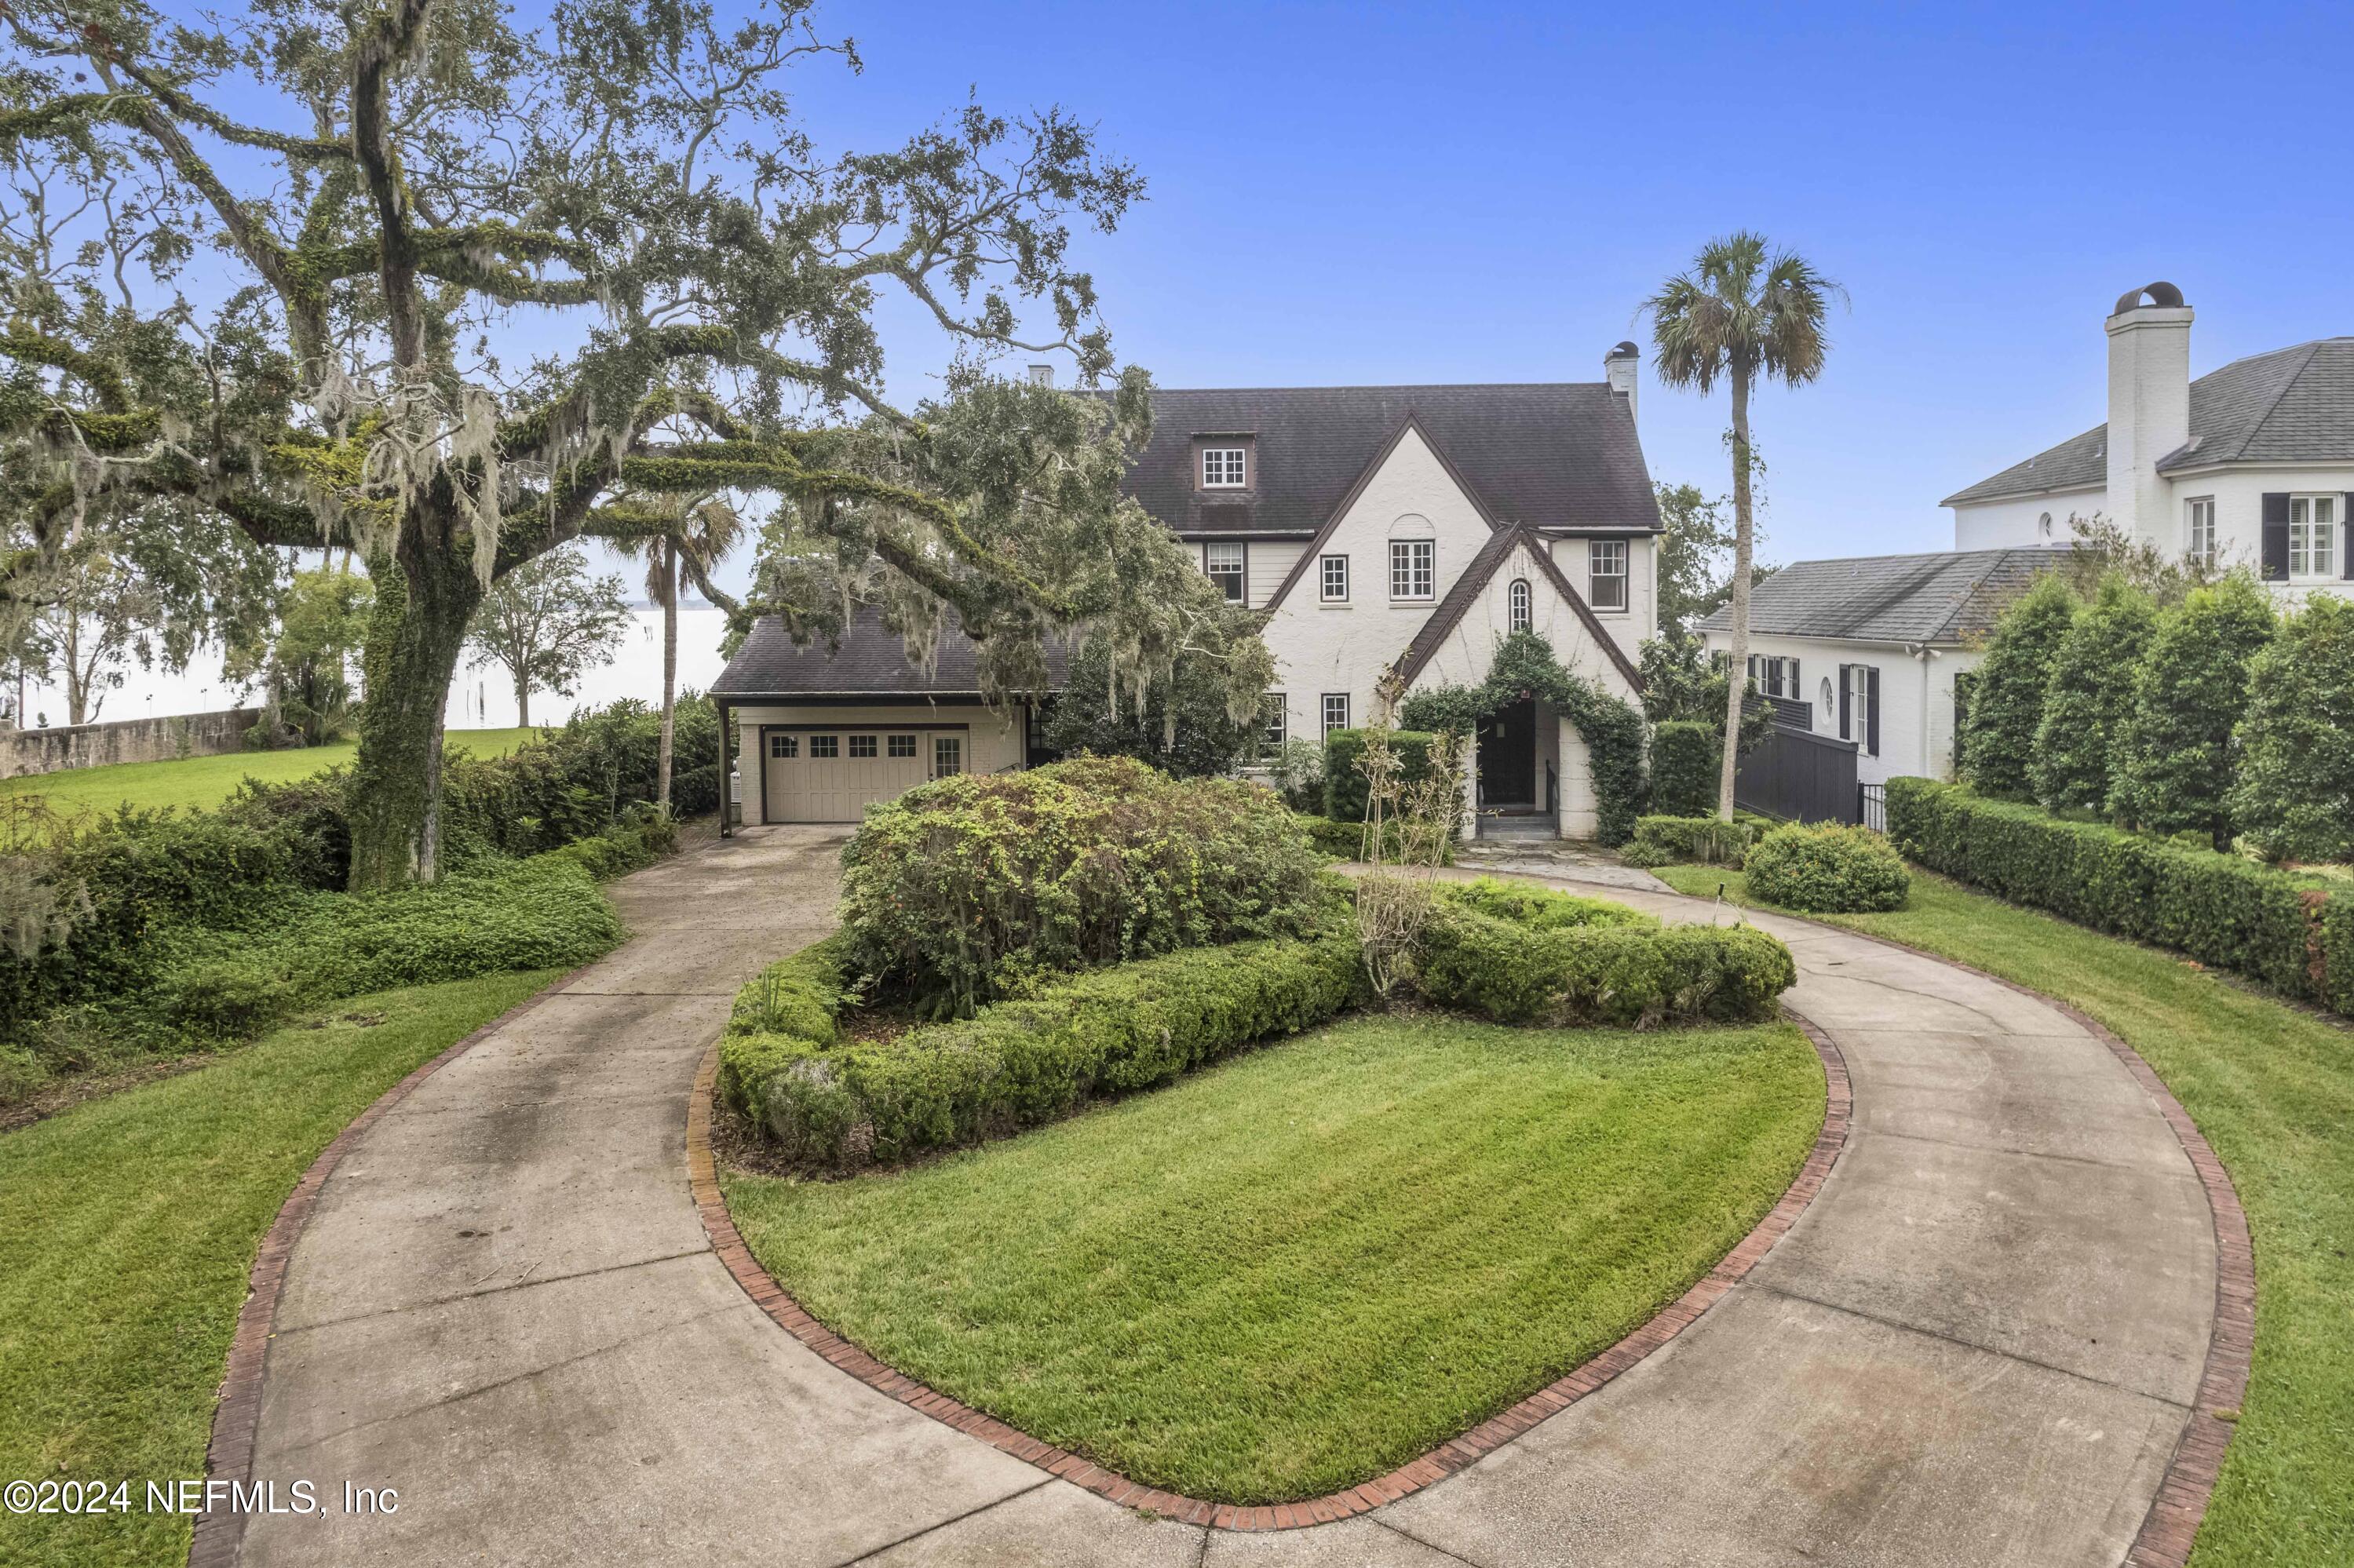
(2275,926)
(1515,954)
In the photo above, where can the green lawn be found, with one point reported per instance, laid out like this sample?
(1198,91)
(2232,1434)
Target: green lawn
(128,1226)
(2272,1087)
(205,781)
(1300,1269)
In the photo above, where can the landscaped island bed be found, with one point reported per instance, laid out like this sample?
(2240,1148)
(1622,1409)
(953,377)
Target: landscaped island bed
(2271,1087)
(1304,1268)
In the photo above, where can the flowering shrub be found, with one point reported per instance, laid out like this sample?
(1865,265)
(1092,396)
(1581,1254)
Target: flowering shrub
(981,886)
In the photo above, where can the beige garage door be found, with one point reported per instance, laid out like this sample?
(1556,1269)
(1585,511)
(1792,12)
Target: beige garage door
(817,775)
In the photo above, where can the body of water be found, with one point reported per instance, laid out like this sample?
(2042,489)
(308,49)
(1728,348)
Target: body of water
(478,699)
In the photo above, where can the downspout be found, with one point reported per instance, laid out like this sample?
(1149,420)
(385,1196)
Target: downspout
(1922,653)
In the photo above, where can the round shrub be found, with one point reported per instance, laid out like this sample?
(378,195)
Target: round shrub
(1828,869)
(981,886)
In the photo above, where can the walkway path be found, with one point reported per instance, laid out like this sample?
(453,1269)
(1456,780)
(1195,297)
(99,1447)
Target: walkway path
(1979,1345)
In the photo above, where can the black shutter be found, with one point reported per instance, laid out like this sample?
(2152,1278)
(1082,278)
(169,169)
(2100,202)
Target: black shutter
(2345,536)
(1846,733)
(1872,709)
(2275,538)
(1797,687)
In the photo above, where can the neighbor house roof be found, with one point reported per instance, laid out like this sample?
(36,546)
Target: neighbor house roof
(2293,404)
(871,660)
(1941,597)
(1435,631)
(1546,455)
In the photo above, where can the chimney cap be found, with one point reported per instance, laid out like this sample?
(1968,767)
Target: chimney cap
(1624,351)
(2161,296)
(1042,375)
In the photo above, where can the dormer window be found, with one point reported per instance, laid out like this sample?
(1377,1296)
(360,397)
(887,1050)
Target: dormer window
(1224,468)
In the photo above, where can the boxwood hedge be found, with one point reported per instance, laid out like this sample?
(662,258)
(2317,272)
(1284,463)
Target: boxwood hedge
(1825,868)
(2222,910)
(1622,974)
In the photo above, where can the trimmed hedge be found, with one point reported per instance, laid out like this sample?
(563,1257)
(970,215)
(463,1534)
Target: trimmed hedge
(1828,869)
(2220,909)
(1540,909)
(1345,790)
(1686,756)
(1346,840)
(1626,975)
(1676,840)
(1015,1064)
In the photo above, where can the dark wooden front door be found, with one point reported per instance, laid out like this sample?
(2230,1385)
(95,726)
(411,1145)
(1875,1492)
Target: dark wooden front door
(1508,755)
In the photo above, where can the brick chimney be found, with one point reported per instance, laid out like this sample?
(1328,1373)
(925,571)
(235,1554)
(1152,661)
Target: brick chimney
(2150,403)
(1619,366)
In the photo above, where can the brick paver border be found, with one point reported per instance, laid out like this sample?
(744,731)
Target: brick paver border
(229,1456)
(1436,1466)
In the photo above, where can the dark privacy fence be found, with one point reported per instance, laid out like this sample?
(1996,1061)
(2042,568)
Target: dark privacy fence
(1799,777)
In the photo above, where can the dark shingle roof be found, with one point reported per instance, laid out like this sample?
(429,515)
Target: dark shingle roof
(872,661)
(1556,455)
(1941,597)
(2293,404)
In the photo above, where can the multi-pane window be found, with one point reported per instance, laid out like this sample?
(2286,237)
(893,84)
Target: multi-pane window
(784,747)
(1332,579)
(2313,535)
(1271,741)
(1410,568)
(861,745)
(2201,518)
(1776,676)
(1223,559)
(1336,712)
(948,754)
(1222,468)
(825,745)
(1606,573)
(902,746)
(1519,604)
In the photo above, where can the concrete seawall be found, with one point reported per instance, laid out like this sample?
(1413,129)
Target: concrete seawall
(26,751)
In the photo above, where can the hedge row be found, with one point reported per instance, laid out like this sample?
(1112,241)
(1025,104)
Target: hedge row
(1678,841)
(1624,975)
(1015,1064)
(1346,840)
(2220,909)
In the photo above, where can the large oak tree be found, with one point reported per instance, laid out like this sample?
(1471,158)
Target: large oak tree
(476,288)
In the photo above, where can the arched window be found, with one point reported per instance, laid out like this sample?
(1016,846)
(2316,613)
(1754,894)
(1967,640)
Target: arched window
(2043,524)
(1519,604)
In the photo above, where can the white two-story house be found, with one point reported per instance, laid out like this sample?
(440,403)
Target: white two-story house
(1377,527)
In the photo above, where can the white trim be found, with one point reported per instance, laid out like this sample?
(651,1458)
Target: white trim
(1234,460)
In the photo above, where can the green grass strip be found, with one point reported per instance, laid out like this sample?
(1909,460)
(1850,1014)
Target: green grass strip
(129,1225)
(1299,1270)
(204,782)
(2272,1087)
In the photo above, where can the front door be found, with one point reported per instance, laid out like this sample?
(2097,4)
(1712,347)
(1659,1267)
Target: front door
(1508,755)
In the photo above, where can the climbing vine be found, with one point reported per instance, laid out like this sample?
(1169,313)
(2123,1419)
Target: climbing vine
(1524,666)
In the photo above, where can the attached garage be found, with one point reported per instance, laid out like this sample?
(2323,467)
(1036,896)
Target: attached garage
(819,736)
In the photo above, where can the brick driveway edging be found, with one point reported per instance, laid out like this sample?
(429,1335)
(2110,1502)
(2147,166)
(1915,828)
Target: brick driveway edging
(1406,1479)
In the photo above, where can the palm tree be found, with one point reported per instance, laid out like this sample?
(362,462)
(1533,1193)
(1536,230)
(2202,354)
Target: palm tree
(689,537)
(1739,312)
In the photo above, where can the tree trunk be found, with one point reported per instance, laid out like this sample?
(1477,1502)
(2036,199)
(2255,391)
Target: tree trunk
(1736,667)
(669,671)
(522,703)
(425,595)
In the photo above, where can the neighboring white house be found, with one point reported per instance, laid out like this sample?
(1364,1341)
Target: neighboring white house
(2250,464)
(1867,648)
(1376,527)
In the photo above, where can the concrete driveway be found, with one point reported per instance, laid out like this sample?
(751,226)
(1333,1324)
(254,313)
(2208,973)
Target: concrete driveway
(1979,1345)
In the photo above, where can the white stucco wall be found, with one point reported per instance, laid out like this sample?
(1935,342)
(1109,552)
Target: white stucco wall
(1917,698)
(2003,524)
(1640,621)
(1321,647)
(2239,495)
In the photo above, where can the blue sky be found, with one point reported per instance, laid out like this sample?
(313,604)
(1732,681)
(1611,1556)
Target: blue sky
(1350,194)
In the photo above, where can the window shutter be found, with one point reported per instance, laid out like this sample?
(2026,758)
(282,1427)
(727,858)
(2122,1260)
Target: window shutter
(1797,687)
(2345,536)
(1845,731)
(2275,536)
(1872,709)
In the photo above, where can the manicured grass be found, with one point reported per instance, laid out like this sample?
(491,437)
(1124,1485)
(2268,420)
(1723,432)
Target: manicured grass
(129,1225)
(207,781)
(2272,1087)
(1301,1269)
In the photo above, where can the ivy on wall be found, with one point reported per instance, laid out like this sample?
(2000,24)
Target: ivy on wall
(1524,666)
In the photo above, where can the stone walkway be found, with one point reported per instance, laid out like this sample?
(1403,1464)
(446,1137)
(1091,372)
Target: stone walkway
(1979,1345)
